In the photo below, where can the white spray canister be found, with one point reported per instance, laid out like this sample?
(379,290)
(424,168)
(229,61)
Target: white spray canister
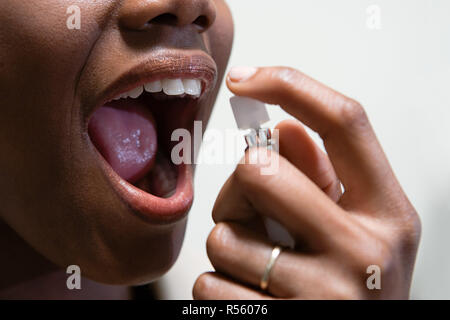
(250,115)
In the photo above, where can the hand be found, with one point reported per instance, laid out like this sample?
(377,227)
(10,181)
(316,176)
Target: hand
(338,235)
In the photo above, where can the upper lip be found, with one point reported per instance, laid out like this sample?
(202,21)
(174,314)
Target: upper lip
(197,65)
(169,64)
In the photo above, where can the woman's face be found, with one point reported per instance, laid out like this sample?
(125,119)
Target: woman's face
(86,179)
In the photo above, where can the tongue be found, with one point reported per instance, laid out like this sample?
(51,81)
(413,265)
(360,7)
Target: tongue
(124,133)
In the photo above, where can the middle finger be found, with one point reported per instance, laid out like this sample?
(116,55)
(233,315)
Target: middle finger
(288,197)
(298,147)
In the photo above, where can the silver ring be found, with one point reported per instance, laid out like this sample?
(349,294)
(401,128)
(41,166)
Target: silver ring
(264,283)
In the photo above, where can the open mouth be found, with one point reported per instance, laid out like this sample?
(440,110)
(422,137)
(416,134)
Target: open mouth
(132,132)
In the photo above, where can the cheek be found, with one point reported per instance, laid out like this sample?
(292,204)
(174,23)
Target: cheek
(41,51)
(40,62)
(40,59)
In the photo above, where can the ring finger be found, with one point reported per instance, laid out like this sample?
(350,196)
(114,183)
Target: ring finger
(243,255)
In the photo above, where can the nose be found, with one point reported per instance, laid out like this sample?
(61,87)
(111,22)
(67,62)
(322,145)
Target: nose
(140,14)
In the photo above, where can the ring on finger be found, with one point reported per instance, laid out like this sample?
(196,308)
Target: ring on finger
(264,283)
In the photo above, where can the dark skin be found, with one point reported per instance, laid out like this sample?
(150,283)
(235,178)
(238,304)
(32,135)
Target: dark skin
(338,235)
(58,208)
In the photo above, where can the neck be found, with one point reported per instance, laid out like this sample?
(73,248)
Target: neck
(25,274)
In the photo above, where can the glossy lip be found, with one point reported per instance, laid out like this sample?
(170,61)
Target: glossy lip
(151,208)
(163,66)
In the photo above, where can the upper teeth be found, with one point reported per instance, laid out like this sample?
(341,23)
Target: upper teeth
(171,87)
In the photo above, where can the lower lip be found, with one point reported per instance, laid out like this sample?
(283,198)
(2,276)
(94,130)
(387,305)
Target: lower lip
(154,209)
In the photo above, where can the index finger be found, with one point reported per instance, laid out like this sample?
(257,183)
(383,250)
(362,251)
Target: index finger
(341,122)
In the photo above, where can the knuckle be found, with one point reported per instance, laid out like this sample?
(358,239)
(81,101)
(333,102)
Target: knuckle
(216,213)
(406,224)
(385,260)
(218,241)
(291,81)
(381,255)
(351,115)
(373,251)
(202,287)
(412,228)
(287,75)
(218,208)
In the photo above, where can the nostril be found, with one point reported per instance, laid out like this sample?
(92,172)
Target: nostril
(142,14)
(202,22)
(166,18)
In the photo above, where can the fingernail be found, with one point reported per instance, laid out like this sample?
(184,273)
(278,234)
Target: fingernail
(240,74)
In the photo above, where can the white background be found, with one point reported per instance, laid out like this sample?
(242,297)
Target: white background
(400,74)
